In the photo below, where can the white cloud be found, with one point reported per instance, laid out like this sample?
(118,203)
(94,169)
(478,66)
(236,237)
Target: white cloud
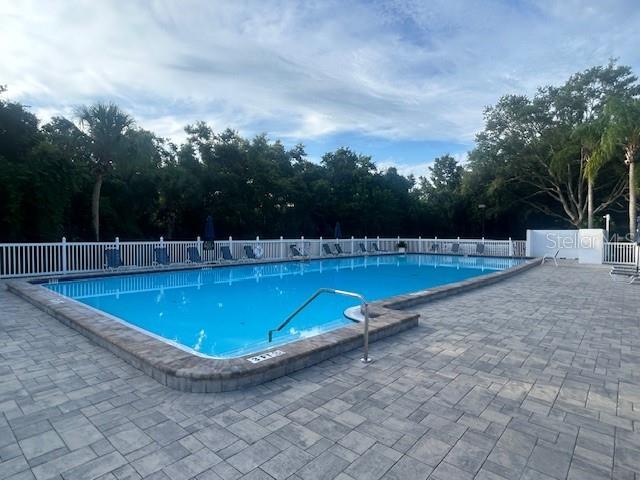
(420,169)
(417,170)
(408,70)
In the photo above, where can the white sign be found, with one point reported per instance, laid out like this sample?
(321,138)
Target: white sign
(585,245)
(265,356)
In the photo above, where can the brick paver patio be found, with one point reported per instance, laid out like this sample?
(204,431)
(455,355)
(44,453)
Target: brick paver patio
(537,377)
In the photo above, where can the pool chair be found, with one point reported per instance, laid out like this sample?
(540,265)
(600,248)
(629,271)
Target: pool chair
(554,257)
(112,259)
(295,252)
(362,248)
(628,273)
(161,257)
(455,249)
(193,255)
(226,254)
(434,248)
(327,249)
(249,253)
(376,249)
(479,248)
(338,249)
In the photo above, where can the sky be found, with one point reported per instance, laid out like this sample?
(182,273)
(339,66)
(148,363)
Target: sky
(404,81)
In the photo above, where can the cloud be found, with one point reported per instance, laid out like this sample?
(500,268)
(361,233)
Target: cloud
(420,169)
(405,70)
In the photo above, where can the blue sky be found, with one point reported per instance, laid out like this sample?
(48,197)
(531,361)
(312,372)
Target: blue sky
(403,81)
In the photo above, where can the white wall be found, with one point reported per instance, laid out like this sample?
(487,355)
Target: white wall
(585,245)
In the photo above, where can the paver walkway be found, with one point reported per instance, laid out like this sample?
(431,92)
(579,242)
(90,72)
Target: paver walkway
(537,377)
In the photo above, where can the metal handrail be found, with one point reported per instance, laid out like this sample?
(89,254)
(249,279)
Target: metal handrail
(363,302)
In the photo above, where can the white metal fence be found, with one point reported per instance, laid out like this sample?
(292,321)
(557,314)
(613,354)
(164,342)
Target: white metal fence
(32,259)
(619,253)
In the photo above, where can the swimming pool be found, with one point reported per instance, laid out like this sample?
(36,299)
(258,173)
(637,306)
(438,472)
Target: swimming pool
(226,312)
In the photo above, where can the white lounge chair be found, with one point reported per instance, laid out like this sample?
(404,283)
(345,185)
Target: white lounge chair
(630,272)
(553,257)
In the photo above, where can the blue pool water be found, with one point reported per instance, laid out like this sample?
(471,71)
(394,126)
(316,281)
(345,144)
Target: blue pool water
(228,311)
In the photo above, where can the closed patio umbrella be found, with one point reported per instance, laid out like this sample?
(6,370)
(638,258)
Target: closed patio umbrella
(338,230)
(209,233)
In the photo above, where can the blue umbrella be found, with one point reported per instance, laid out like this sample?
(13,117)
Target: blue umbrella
(209,233)
(338,230)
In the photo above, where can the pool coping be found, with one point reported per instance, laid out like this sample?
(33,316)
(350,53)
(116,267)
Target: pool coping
(181,370)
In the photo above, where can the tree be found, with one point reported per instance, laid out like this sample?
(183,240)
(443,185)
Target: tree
(445,176)
(543,145)
(105,125)
(579,103)
(522,143)
(593,157)
(539,162)
(623,131)
(19,134)
(441,191)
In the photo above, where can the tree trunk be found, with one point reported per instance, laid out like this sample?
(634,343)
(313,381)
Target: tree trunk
(95,206)
(589,203)
(632,199)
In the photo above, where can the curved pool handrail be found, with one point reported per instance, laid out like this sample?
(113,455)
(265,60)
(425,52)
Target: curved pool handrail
(320,291)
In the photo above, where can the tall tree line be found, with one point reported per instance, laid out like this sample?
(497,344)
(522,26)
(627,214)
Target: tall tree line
(563,157)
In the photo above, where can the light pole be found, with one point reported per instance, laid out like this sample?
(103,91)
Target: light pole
(482,208)
(607,219)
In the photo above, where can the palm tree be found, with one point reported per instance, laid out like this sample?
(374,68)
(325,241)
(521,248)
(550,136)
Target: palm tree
(589,135)
(623,131)
(105,125)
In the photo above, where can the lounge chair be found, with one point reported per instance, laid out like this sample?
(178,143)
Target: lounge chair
(327,249)
(161,256)
(226,253)
(338,249)
(553,257)
(249,253)
(376,249)
(362,248)
(434,248)
(455,249)
(112,259)
(295,252)
(630,272)
(193,255)
(479,248)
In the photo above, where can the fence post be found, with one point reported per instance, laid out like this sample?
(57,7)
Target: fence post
(199,243)
(378,241)
(510,247)
(352,245)
(302,247)
(419,243)
(366,246)
(64,254)
(320,246)
(231,245)
(281,247)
